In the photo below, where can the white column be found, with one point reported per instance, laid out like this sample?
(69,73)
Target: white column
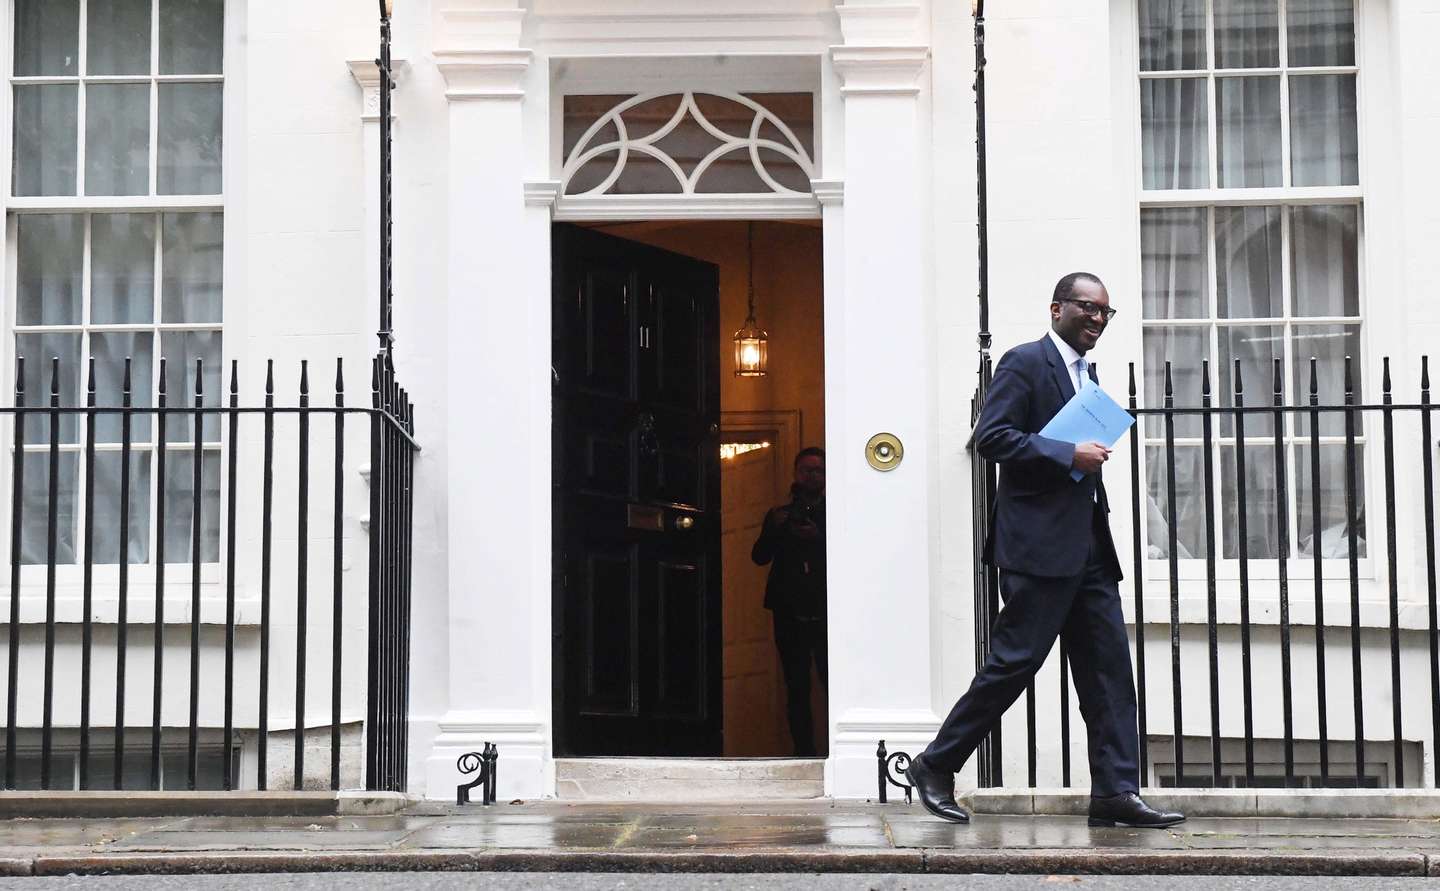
(498,439)
(880,359)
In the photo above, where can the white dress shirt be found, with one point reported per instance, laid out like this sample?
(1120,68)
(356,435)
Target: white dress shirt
(1069,357)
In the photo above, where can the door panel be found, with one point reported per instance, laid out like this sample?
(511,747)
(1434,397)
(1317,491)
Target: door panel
(612,639)
(636,505)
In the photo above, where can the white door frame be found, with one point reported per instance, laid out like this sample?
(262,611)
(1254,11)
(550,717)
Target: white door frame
(503,106)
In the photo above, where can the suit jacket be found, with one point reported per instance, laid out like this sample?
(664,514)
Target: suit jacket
(796,585)
(1042,520)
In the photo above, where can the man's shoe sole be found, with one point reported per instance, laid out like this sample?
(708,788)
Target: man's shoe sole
(1098,821)
(934,813)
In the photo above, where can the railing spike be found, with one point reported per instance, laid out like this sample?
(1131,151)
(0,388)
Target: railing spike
(1205,378)
(54,380)
(1349,379)
(269,377)
(125,383)
(234,377)
(162,381)
(199,377)
(1385,375)
(1169,384)
(1239,382)
(1314,376)
(1425,372)
(339,375)
(1279,382)
(1132,380)
(90,381)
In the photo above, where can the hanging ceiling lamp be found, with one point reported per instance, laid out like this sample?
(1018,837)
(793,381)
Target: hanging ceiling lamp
(752,348)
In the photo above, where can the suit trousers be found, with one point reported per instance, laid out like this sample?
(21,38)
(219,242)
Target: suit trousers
(1084,611)
(800,640)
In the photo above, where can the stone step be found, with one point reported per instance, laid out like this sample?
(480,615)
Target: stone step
(689,779)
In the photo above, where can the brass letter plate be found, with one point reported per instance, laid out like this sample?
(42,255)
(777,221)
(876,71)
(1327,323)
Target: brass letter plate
(640,516)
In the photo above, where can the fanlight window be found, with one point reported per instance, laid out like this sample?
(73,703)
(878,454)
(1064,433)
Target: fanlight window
(689,143)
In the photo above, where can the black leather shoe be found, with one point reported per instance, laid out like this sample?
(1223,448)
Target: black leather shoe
(936,790)
(1129,809)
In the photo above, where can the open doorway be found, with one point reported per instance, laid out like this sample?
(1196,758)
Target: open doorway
(663,644)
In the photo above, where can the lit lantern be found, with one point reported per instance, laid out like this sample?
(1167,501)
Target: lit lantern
(752,344)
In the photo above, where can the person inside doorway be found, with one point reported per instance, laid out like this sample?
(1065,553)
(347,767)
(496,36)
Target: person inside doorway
(792,543)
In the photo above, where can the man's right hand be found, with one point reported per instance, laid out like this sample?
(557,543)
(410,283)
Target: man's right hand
(1089,456)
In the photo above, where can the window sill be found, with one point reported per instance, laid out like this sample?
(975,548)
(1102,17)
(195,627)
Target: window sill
(1265,610)
(140,608)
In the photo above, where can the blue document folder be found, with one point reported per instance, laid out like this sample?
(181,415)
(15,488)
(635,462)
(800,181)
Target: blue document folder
(1090,416)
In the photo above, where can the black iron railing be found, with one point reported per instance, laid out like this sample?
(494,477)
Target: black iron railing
(1250,531)
(221,432)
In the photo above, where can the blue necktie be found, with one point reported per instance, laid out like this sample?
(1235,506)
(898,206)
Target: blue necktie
(1083,368)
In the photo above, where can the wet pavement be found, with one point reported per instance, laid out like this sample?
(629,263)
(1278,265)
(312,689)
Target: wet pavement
(813,836)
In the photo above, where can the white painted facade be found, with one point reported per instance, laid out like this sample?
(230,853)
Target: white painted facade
(478,172)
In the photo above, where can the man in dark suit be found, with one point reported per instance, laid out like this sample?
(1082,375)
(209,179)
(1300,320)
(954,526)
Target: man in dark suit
(793,537)
(1050,538)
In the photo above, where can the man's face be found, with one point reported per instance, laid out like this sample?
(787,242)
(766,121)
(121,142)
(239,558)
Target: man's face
(1071,320)
(810,474)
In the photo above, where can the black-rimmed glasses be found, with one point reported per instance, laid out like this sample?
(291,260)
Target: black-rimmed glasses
(1092,309)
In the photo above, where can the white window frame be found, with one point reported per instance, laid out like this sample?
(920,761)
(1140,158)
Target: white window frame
(1298,566)
(142,576)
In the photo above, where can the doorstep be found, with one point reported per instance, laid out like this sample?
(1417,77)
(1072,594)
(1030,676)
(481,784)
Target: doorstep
(689,779)
(102,804)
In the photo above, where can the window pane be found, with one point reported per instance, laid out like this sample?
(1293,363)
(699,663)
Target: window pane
(1184,348)
(45,133)
(107,507)
(49,260)
(110,348)
(117,37)
(122,268)
(1174,125)
(1173,263)
(1326,275)
(1324,148)
(1261,502)
(181,349)
(1257,347)
(193,264)
(1320,32)
(117,139)
(1189,502)
(1329,345)
(1247,34)
(47,37)
(39,350)
(179,508)
(1248,262)
(34,530)
(190,139)
(1172,35)
(134,768)
(1249,137)
(191,36)
(1333,525)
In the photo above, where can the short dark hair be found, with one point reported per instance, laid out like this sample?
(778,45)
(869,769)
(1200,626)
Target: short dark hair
(812,451)
(1065,288)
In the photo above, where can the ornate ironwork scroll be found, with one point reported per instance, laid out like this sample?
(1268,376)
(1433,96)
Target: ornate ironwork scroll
(889,767)
(482,764)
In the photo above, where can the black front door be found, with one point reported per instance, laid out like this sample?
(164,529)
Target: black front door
(637,613)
